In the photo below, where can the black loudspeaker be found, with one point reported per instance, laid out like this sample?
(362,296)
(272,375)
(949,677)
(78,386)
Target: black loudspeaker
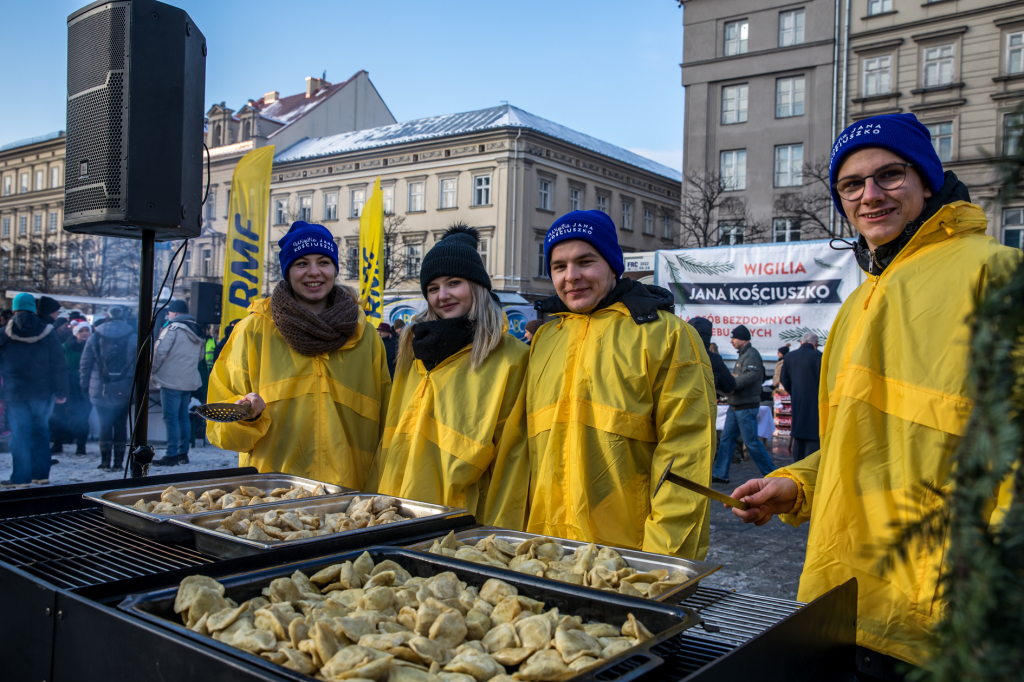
(204,305)
(136,87)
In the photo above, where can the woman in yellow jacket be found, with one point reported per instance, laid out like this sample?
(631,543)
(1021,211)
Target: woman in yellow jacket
(312,369)
(454,420)
(894,398)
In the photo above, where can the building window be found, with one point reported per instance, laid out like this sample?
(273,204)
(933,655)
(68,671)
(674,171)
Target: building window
(791,28)
(938,66)
(942,139)
(542,265)
(54,176)
(1015,53)
(789,160)
(306,208)
(483,247)
(331,206)
(730,232)
(37,223)
(39,180)
(627,215)
(22,225)
(786,229)
(21,267)
(602,203)
(413,255)
(7,228)
(24,183)
(7,186)
(416,198)
(878,76)
(666,226)
(879,6)
(53,221)
(352,263)
(735,38)
(1012,124)
(211,205)
(733,170)
(734,104)
(280,211)
(648,221)
(74,264)
(37,267)
(387,194)
(358,200)
(482,190)
(544,194)
(575,196)
(207,263)
(448,194)
(789,97)
(1013,227)
(187,264)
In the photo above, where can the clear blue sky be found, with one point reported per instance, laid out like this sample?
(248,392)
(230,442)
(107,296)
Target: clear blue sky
(606,68)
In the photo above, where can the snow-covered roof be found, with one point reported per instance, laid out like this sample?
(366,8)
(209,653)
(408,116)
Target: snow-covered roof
(503,116)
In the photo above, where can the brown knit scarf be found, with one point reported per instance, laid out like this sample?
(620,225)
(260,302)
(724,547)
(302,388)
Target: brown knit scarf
(308,333)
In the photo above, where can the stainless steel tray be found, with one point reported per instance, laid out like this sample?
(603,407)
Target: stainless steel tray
(118,511)
(223,546)
(641,561)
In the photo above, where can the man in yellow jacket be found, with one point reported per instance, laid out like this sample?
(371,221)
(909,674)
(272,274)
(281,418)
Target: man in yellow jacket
(616,388)
(893,399)
(312,368)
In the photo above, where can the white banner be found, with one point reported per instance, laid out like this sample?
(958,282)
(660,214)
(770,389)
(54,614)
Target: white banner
(406,308)
(778,291)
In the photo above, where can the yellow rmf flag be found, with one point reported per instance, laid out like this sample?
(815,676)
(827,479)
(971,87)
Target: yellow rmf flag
(246,239)
(371,256)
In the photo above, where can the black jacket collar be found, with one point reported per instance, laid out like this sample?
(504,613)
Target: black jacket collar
(643,301)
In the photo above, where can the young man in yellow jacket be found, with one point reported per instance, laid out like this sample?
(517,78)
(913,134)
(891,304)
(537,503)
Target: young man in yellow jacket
(616,388)
(893,399)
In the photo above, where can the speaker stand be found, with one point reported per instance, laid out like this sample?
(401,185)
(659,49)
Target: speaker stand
(142,455)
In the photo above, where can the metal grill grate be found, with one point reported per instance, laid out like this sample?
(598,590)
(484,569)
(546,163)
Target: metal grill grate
(78,549)
(739,617)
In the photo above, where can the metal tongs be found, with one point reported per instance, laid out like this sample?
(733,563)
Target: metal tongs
(697,488)
(225,412)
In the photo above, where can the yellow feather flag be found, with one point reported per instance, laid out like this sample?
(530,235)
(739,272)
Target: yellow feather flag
(371,256)
(246,239)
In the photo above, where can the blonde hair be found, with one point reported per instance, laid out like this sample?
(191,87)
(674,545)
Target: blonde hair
(488,320)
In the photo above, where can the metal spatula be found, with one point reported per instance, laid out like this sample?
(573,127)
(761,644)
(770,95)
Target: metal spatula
(224,412)
(697,488)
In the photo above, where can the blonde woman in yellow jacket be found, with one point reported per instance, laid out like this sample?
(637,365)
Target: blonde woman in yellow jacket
(454,422)
(894,398)
(312,368)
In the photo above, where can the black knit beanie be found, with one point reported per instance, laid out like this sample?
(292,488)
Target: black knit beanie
(455,256)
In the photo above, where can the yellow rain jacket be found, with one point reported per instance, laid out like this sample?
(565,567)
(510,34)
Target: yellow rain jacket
(325,413)
(448,431)
(893,405)
(609,403)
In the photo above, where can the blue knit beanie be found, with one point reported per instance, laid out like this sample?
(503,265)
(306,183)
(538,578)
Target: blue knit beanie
(593,227)
(901,134)
(304,239)
(24,301)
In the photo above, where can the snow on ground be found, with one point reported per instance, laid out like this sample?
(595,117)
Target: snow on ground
(82,468)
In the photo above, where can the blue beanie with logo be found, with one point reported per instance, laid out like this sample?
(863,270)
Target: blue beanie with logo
(304,239)
(901,134)
(594,227)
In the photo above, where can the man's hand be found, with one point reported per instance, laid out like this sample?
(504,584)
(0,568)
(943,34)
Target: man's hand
(766,497)
(255,402)
(60,401)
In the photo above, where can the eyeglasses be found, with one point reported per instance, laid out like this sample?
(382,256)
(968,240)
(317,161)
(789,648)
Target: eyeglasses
(891,176)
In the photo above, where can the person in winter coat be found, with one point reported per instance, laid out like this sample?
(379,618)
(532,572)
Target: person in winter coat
(176,371)
(458,377)
(894,396)
(744,403)
(782,352)
(107,371)
(531,328)
(725,382)
(34,378)
(390,345)
(617,387)
(70,421)
(223,342)
(311,367)
(801,375)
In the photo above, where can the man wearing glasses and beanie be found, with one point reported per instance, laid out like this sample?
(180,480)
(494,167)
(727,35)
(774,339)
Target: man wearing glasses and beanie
(894,398)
